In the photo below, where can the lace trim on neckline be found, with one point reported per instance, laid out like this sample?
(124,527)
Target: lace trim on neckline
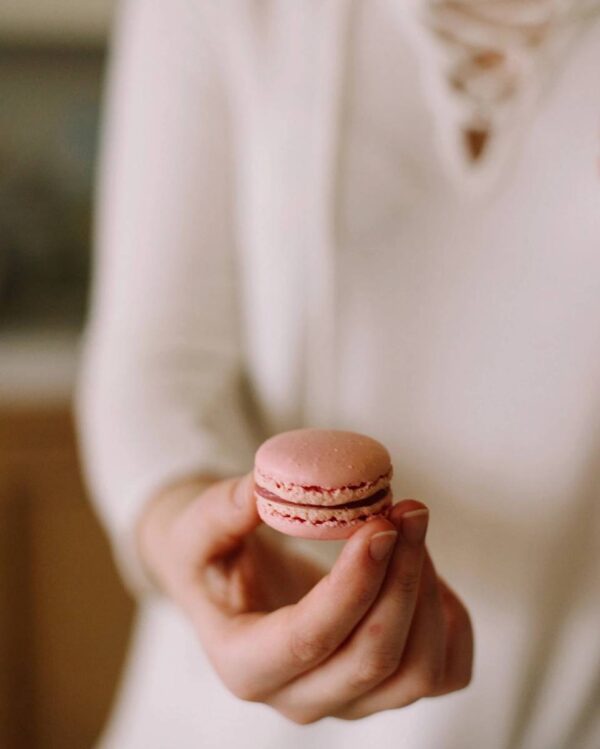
(485,65)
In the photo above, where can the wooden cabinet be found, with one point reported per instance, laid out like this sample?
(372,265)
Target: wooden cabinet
(61,21)
(64,615)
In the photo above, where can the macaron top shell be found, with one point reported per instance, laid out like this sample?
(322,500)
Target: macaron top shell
(322,459)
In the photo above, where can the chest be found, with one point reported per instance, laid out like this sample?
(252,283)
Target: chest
(343,197)
(469,324)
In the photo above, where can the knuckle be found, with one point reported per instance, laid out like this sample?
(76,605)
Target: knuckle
(373,669)
(456,613)
(300,717)
(429,590)
(309,649)
(426,682)
(406,584)
(461,680)
(361,591)
(363,598)
(242,687)
(436,668)
(243,690)
(353,713)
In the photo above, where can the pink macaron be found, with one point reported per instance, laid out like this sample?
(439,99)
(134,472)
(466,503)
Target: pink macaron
(321,483)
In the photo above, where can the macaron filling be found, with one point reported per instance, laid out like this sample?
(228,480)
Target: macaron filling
(320,495)
(322,516)
(366,502)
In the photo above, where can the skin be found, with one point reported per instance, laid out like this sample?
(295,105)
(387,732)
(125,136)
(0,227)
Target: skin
(371,634)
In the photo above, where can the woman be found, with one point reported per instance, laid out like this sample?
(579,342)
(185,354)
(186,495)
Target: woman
(377,216)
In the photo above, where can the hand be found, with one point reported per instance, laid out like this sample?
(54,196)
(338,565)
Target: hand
(377,632)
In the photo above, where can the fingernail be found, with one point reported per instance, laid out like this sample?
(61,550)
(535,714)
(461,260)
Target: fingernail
(381,545)
(414,525)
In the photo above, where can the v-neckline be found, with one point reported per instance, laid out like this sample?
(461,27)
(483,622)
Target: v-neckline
(479,176)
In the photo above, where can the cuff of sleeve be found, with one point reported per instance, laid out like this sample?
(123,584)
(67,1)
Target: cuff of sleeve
(124,523)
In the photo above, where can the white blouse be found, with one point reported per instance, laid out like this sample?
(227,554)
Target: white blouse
(291,231)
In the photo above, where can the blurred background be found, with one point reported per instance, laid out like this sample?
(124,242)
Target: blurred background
(64,616)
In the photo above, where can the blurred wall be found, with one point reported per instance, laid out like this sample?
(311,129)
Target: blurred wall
(64,616)
(61,21)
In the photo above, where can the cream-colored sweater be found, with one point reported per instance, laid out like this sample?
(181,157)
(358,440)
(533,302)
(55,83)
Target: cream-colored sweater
(285,203)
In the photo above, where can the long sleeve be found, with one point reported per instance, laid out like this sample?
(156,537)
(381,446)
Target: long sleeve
(159,395)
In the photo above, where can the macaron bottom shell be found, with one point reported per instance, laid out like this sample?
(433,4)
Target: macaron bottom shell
(324,523)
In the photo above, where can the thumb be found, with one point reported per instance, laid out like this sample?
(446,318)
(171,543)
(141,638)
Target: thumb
(224,515)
